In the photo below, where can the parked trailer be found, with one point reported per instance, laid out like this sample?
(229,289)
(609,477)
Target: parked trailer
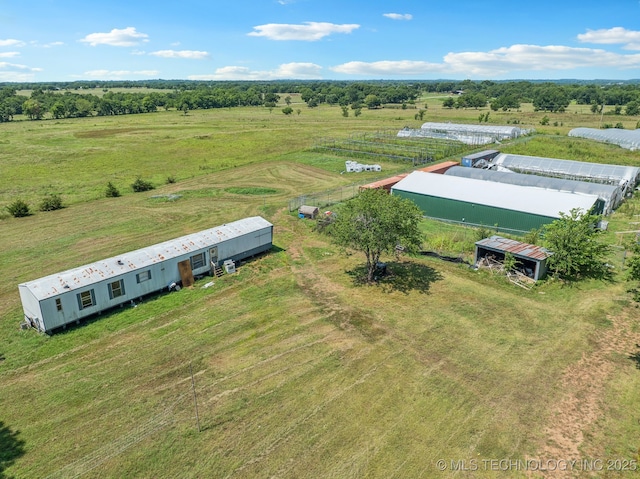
(67,297)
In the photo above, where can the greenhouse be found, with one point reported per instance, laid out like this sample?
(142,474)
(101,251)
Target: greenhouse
(626,177)
(469,134)
(473,140)
(610,194)
(629,139)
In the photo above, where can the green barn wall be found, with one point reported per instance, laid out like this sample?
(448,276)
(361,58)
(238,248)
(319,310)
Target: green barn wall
(473,214)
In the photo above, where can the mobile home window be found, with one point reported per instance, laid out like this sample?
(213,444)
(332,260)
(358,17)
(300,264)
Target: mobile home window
(143,276)
(116,289)
(86,299)
(197,261)
(58,304)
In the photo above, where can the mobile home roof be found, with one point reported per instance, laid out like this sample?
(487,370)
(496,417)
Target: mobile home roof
(526,199)
(89,274)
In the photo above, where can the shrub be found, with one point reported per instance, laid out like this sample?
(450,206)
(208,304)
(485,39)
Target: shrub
(141,185)
(51,203)
(112,191)
(171,179)
(19,209)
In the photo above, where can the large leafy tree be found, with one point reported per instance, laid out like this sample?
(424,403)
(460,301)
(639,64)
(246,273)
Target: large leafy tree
(375,222)
(578,251)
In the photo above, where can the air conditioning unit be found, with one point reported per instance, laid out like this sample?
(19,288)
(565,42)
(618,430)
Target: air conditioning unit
(229,266)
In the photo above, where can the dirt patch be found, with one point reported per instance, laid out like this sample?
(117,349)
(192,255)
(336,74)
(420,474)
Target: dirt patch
(107,133)
(584,384)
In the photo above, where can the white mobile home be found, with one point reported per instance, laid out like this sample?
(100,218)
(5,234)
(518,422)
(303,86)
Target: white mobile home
(62,298)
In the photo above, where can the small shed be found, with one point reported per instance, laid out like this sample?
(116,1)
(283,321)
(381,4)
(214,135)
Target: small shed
(309,212)
(531,259)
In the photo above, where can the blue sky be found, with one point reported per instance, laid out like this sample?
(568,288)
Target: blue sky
(67,40)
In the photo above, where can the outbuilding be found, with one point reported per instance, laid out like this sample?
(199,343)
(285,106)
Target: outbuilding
(510,208)
(59,299)
(309,212)
(530,258)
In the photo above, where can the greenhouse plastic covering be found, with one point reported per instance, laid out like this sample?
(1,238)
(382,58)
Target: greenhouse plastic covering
(629,139)
(496,131)
(610,194)
(626,177)
(463,138)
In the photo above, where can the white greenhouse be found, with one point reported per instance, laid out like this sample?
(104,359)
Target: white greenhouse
(62,298)
(629,139)
(610,194)
(626,177)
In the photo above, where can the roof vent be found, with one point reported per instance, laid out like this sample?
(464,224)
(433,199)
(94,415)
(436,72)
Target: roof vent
(120,262)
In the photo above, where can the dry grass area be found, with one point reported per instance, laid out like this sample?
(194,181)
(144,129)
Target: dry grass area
(300,371)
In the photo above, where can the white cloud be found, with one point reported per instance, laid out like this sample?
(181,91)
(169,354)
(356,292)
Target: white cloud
(299,71)
(190,54)
(119,74)
(53,44)
(126,37)
(498,62)
(386,68)
(611,36)
(11,42)
(398,16)
(309,31)
(9,54)
(13,72)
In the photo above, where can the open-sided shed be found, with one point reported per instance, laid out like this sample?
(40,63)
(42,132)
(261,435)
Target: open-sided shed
(59,299)
(531,258)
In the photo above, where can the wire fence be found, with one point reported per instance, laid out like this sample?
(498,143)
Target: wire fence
(325,198)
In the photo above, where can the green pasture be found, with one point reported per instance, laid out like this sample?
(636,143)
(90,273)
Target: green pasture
(299,371)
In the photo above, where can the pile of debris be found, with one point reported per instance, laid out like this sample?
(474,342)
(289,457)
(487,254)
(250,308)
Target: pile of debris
(516,277)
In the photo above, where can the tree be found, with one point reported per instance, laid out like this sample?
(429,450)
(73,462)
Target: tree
(33,109)
(345,111)
(372,101)
(287,100)
(578,253)
(111,191)
(19,209)
(51,202)
(375,222)
(141,185)
(420,115)
(287,110)
(449,102)
(633,108)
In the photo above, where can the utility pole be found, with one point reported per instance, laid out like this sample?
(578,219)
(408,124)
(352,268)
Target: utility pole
(195,398)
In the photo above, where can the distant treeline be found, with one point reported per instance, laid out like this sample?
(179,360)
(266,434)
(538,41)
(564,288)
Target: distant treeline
(79,99)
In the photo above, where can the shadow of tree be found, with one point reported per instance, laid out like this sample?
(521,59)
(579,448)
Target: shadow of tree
(11,448)
(636,357)
(403,277)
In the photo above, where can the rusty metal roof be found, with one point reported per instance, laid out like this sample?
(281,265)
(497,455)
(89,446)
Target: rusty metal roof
(516,248)
(82,276)
(386,182)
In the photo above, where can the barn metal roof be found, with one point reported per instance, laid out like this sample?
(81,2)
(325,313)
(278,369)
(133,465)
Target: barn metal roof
(610,194)
(526,199)
(516,248)
(86,275)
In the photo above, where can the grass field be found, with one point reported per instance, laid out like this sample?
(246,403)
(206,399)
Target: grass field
(298,370)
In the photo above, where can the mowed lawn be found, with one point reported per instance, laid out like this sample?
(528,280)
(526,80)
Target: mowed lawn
(298,370)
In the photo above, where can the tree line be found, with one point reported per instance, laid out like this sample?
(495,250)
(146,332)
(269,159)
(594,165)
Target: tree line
(57,100)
